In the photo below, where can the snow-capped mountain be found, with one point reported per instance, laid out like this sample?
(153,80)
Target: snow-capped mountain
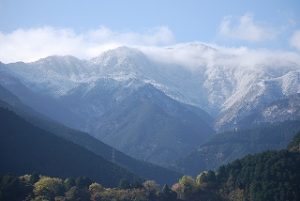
(229,86)
(282,110)
(213,80)
(116,97)
(285,109)
(255,93)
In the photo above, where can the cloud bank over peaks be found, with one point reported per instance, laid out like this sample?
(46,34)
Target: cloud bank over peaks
(246,28)
(295,40)
(157,43)
(196,55)
(35,43)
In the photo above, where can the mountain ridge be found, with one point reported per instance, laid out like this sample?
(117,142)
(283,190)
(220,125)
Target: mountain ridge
(212,88)
(82,98)
(26,148)
(143,169)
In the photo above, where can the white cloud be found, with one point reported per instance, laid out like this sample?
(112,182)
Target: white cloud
(295,40)
(196,55)
(32,44)
(158,43)
(245,28)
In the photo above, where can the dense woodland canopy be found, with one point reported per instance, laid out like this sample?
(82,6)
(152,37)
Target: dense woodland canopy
(271,175)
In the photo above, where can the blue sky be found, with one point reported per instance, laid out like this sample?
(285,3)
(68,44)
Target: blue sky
(257,24)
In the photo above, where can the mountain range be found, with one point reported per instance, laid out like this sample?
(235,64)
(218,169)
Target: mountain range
(151,109)
(42,124)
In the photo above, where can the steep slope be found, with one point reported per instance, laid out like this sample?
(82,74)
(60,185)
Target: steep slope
(41,102)
(287,108)
(214,79)
(272,175)
(54,75)
(294,145)
(142,169)
(256,93)
(25,148)
(228,146)
(92,107)
(151,126)
(81,93)
(227,86)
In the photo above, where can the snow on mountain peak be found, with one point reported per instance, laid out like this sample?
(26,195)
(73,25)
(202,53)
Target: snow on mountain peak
(118,55)
(216,80)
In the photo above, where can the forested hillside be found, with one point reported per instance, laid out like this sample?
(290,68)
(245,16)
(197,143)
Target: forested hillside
(25,148)
(141,168)
(271,176)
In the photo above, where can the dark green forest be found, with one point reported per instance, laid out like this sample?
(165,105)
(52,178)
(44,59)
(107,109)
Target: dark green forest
(271,175)
(25,148)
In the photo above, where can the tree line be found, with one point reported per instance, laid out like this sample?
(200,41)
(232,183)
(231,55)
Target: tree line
(271,175)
